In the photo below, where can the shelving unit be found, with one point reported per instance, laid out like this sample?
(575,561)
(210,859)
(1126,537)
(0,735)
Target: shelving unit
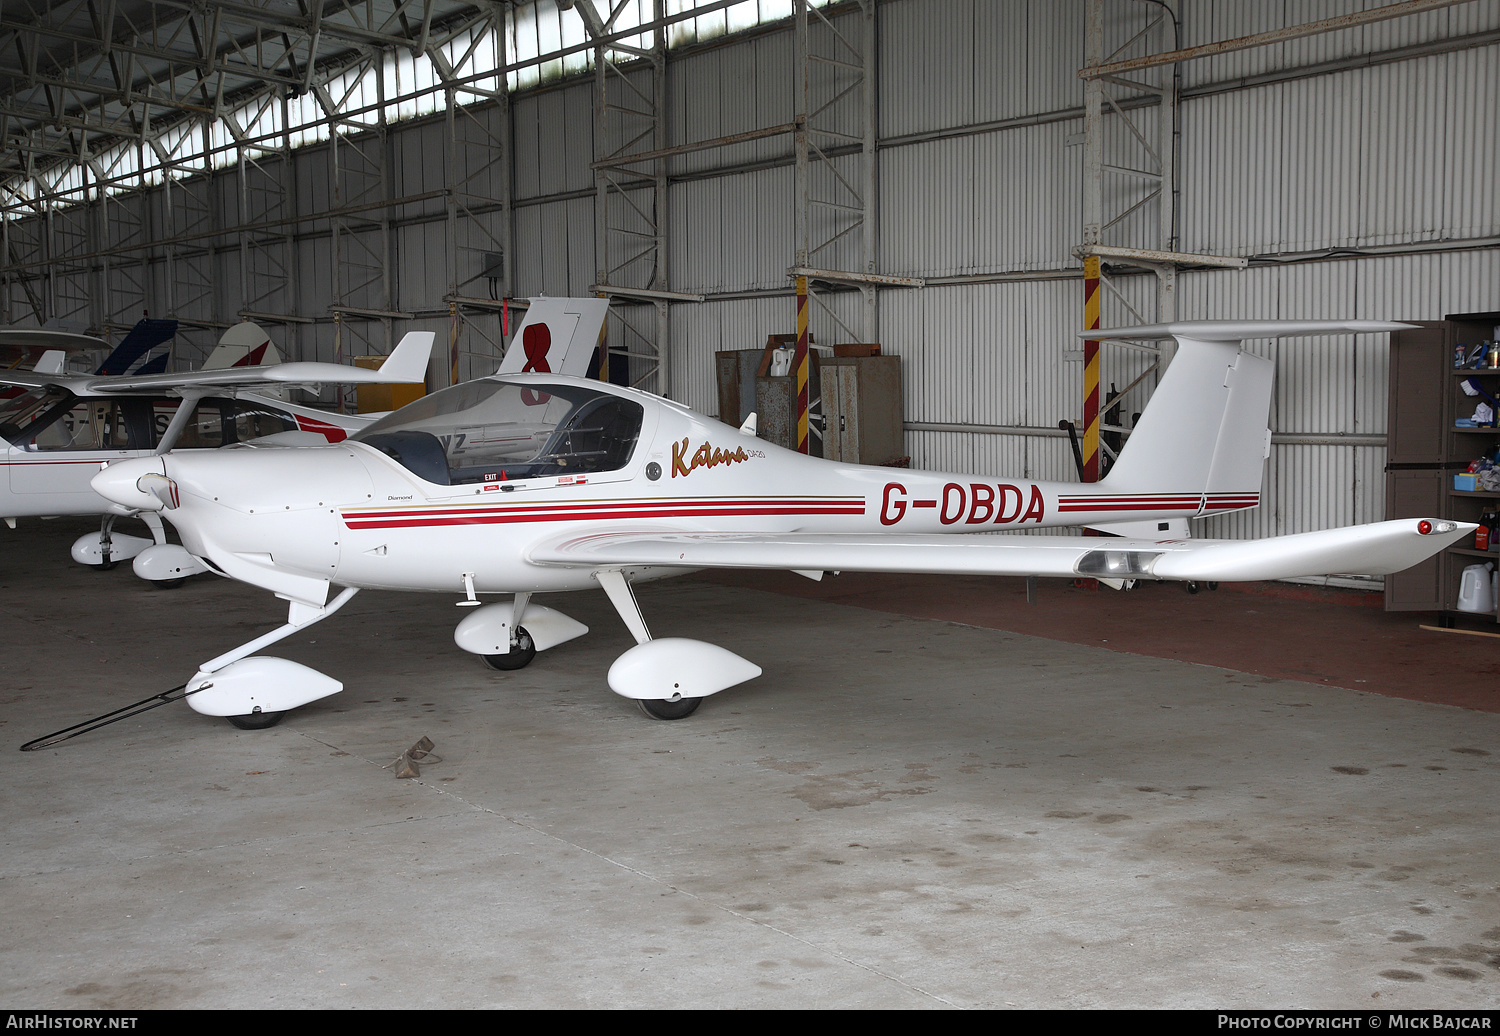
(1425,449)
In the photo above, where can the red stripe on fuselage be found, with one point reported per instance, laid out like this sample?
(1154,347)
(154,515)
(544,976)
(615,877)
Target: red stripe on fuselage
(519,516)
(518,513)
(588,506)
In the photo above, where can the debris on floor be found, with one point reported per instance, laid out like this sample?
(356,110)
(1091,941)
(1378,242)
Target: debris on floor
(405,764)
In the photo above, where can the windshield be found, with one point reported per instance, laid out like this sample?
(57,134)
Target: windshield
(486,431)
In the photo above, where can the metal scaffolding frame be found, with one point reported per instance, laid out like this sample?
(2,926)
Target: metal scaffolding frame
(1131,172)
(630,191)
(1127,174)
(73,284)
(477,183)
(188,207)
(834,143)
(124,226)
(363,282)
(267,198)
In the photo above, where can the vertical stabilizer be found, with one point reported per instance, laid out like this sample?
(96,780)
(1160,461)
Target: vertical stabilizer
(558,336)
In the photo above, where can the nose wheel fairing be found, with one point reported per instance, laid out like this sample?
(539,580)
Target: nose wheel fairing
(258,686)
(493,629)
(166,564)
(106,548)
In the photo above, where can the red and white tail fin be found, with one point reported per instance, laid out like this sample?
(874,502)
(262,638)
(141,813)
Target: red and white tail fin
(243,345)
(558,336)
(1205,431)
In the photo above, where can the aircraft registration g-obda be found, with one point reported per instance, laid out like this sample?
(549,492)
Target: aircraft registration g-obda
(524,484)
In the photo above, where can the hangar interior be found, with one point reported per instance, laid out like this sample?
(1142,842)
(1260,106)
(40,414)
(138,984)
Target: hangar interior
(349,174)
(889,831)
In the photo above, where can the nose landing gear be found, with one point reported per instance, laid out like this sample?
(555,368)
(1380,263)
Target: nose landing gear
(680,709)
(256,720)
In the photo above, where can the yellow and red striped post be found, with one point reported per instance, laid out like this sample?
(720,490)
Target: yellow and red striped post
(1091,370)
(800,361)
(453,328)
(604,345)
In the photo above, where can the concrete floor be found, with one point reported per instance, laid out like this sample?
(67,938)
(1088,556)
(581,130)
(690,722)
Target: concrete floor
(901,812)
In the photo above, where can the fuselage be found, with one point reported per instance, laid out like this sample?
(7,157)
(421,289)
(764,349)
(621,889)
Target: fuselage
(359,513)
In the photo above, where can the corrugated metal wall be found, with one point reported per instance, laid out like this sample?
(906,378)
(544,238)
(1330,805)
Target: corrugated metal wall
(1398,153)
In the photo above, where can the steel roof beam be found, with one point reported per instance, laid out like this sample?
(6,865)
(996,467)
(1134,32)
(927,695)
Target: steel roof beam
(257,17)
(1290,32)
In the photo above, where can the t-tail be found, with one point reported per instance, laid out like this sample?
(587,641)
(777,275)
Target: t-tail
(1202,442)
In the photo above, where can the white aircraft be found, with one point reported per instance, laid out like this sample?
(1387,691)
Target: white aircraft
(58,428)
(522,484)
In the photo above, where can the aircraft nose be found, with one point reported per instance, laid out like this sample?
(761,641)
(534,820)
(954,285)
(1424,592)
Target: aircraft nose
(119,483)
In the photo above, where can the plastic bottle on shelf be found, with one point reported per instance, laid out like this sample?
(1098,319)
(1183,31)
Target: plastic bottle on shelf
(1475,593)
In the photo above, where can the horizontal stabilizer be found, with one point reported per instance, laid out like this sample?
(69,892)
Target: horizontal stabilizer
(1377,549)
(1239,330)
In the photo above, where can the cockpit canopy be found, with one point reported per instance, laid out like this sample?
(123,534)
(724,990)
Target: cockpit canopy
(486,431)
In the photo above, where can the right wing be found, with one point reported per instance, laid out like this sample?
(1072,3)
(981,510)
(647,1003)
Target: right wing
(1380,548)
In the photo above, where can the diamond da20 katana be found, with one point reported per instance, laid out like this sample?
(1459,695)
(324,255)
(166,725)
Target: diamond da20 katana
(528,484)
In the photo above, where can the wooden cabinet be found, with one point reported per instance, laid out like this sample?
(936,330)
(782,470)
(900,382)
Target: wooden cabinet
(862,421)
(1426,448)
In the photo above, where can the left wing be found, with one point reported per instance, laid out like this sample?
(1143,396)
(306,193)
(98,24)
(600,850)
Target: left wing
(406,364)
(1380,548)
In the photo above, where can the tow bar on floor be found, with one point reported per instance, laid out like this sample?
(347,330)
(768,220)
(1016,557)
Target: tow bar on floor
(144,705)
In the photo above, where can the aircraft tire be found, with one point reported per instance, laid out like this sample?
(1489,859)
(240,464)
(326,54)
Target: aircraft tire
(168,584)
(105,567)
(682,708)
(256,720)
(518,657)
